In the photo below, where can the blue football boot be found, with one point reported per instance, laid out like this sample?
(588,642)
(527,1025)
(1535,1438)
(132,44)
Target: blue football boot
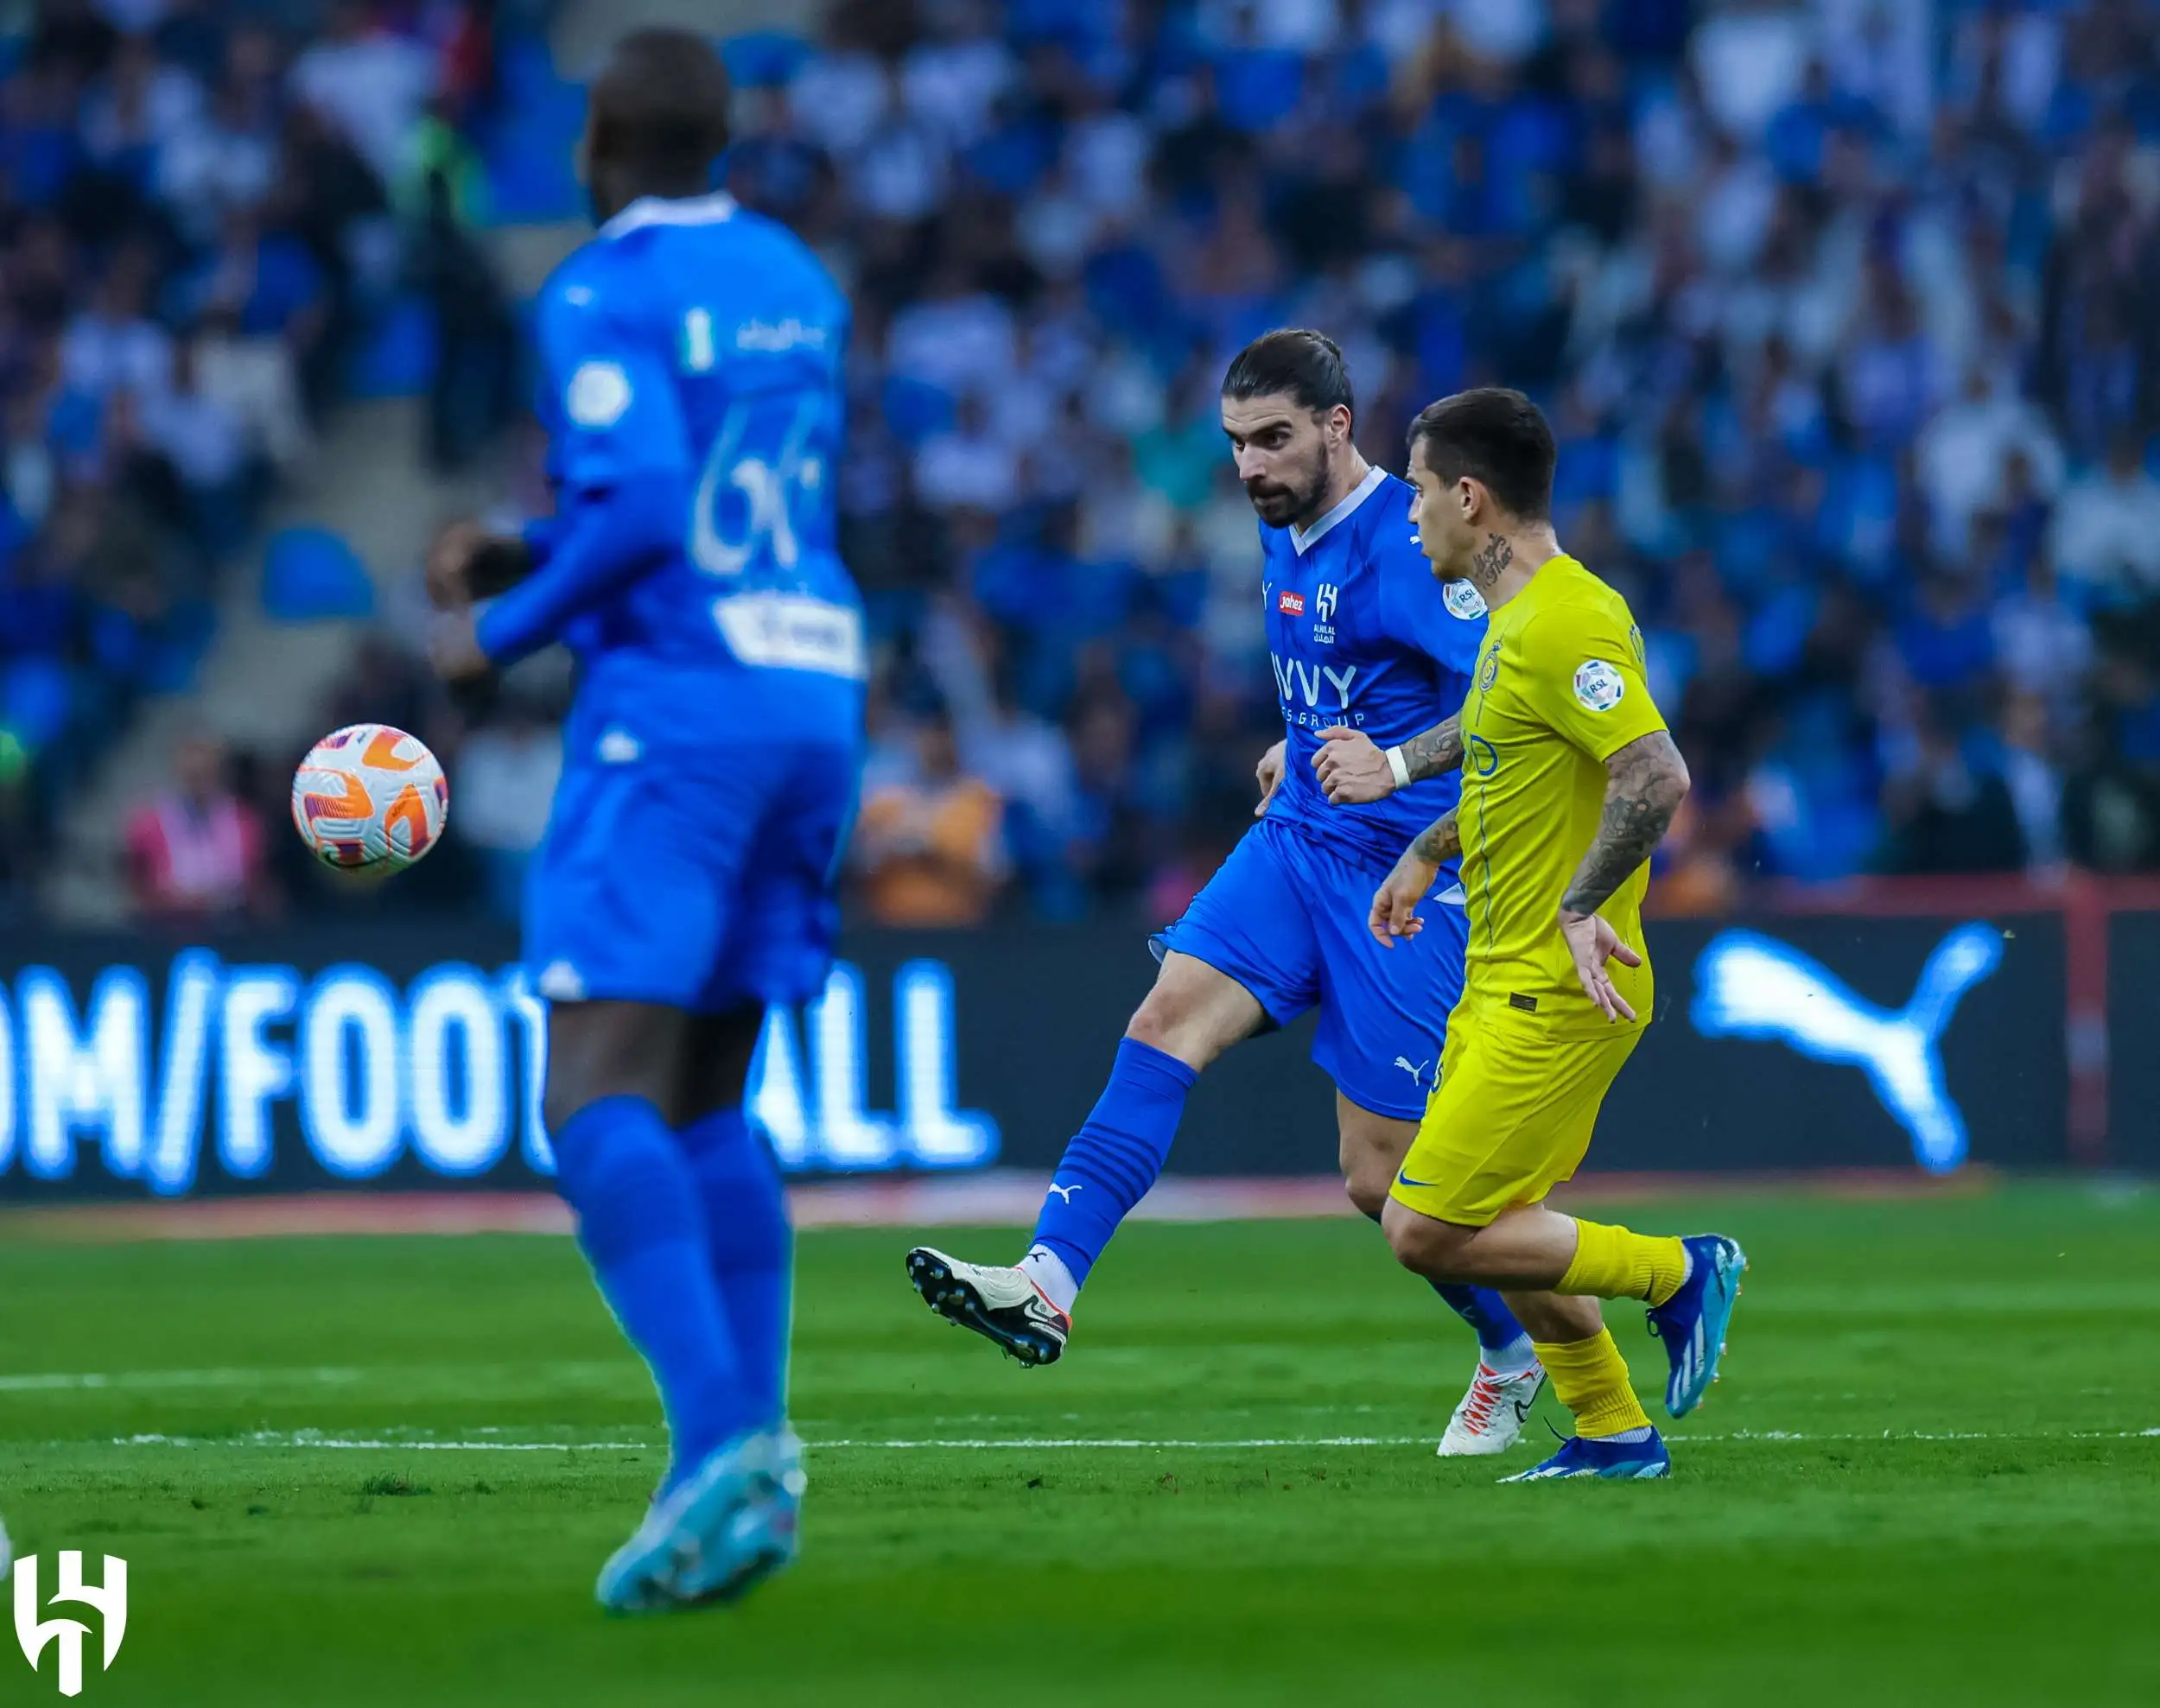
(1692,1323)
(1581,1456)
(724,1529)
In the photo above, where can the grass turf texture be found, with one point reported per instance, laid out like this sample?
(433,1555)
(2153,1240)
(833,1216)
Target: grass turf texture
(1871,1560)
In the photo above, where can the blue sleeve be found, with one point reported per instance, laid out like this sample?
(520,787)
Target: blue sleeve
(540,534)
(622,456)
(612,405)
(602,542)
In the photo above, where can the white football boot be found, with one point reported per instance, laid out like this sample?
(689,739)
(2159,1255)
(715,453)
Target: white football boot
(1000,1304)
(1492,1413)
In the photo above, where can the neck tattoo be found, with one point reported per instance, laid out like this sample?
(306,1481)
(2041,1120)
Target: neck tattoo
(1490,561)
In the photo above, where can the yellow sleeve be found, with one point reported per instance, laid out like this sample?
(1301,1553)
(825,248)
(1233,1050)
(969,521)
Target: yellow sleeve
(1582,673)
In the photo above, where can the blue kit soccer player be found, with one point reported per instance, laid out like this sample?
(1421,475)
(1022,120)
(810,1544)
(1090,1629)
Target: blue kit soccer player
(1371,660)
(691,357)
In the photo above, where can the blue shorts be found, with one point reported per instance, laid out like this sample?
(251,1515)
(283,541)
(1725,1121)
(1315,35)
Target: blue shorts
(699,880)
(1286,918)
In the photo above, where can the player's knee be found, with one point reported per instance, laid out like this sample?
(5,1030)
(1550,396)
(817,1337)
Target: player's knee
(571,1090)
(1164,1022)
(1366,1178)
(1369,1149)
(1368,1198)
(1436,1250)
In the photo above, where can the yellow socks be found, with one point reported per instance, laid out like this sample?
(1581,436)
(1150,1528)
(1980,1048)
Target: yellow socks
(1612,1263)
(1590,1378)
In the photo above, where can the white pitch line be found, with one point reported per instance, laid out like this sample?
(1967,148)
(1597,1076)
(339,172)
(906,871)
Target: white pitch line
(156,1379)
(319,1376)
(305,1439)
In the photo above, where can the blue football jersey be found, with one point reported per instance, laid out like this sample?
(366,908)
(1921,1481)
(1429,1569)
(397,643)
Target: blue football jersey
(695,340)
(1360,633)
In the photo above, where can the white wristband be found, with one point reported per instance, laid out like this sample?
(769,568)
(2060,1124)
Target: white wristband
(1397,765)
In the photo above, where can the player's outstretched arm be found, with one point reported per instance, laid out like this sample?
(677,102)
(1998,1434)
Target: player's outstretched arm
(1645,783)
(609,538)
(1394,910)
(1352,770)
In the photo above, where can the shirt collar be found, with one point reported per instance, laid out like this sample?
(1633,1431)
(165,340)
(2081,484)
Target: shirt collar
(1302,540)
(706,210)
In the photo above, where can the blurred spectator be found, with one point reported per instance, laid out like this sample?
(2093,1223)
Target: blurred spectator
(196,851)
(206,442)
(1947,815)
(370,82)
(476,356)
(502,785)
(928,846)
(256,380)
(2107,527)
(2034,779)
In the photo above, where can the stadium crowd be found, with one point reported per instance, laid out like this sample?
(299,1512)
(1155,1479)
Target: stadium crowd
(1842,312)
(200,212)
(1840,308)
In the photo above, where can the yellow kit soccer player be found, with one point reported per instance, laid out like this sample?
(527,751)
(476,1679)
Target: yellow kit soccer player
(1569,780)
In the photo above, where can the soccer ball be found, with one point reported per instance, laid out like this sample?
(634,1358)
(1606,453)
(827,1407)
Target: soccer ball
(370,797)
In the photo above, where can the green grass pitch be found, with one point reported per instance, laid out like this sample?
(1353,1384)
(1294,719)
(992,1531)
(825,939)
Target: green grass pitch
(1931,1475)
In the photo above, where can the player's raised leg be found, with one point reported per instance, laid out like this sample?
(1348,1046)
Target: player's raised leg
(1191,1015)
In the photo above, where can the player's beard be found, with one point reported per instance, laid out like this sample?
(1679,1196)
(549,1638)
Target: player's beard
(1293,504)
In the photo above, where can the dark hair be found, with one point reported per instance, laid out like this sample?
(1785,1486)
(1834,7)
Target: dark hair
(661,103)
(1304,365)
(1494,435)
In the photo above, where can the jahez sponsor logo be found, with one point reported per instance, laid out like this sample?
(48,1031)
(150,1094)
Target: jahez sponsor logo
(1290,604)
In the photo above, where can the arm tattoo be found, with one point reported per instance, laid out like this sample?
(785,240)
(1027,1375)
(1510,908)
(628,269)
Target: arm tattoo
(1439,842)
(1436,752)
(1647,781)
(1489,560)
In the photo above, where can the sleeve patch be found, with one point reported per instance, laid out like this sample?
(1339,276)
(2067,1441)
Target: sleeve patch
(1598,686)
(1464,600)
(598,395)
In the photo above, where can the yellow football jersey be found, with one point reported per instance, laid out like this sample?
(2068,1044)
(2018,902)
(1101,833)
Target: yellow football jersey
(1558,690)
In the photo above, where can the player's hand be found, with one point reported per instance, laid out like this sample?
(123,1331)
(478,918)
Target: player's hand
(1396,903)
(1351,769)
(1593,943)
(453,646)
(1268,774)
(449,571)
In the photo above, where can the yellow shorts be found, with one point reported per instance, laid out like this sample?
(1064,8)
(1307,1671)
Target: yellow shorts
(1512,1114)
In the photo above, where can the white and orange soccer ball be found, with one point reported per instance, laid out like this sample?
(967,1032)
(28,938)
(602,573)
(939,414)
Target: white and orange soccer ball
(370,797)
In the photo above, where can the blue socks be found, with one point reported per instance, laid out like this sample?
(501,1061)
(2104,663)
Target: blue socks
(1486,1313)
(640,1221)
(750,1248)
(1114,1157)
(1495,1325)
